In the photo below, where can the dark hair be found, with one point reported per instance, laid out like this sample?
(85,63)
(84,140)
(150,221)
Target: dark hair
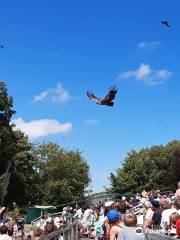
(122,207)
(3,229)
(49,227)
(155,204)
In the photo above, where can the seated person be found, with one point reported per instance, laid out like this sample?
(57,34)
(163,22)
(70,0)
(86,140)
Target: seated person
(131,231)
(173,219)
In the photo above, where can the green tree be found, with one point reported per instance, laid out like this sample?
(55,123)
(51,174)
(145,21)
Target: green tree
(64,174)
(149,168)
(174,169)
(18,173)
(24,187)
(7,138)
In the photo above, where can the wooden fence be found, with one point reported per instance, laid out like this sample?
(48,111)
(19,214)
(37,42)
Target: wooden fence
(68,233)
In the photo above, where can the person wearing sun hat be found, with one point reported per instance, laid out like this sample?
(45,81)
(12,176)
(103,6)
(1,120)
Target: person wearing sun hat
(114,220)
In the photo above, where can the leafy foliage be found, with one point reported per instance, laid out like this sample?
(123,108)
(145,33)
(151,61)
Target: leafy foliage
(65,173)
(150,168)
(7,141)
(36,174)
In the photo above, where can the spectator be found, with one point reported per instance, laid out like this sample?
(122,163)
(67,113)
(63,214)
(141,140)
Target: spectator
(177,194)
(173,219)
(122,209)
(178,228)
(115,223)
(37,234)
(166,213)
(131,232)
(177,205)
(57,222)
(49,228)
(3,233)
(78,213)
(156,218)
(148,214)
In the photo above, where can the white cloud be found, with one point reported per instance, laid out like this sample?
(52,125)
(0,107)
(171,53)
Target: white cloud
(92,121)
(42,127)
(149,45)
(58,94)
(147,75)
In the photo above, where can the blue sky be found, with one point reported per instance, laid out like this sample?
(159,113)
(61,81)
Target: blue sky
(57,50)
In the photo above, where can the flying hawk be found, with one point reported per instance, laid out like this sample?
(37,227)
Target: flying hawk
(165,23)
(107,100)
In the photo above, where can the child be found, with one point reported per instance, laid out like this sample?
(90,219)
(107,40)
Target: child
(173,219)
(131,232)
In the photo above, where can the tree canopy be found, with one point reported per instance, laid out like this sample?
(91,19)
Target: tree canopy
(157,167)
(36,174)
(65,173)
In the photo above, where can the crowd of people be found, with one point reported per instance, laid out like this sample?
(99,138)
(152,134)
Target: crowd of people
(111,220)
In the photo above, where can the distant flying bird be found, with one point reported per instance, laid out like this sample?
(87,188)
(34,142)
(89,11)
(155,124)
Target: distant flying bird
(107,100)
(159,121)
(165,23)
(1,46)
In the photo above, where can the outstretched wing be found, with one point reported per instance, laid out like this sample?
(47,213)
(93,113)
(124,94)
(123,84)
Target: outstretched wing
(165,23)
(93,97)
(111,95)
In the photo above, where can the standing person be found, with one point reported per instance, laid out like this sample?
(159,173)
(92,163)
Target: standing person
(115,223)
(78,213)
(166,213)
(148,214)
(177,194)
(156,218)
(3,233)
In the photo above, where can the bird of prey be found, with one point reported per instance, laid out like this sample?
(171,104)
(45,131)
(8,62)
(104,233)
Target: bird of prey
(107,100)
(165,23)
(1,46)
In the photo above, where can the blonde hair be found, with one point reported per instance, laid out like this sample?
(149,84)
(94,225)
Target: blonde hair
(130,219)
(173,218)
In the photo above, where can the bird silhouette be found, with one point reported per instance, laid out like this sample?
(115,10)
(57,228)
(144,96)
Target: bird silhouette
(165,23)
(1,46)
(107,100)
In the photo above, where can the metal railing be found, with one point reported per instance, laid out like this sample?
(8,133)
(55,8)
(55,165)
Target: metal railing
(68,233)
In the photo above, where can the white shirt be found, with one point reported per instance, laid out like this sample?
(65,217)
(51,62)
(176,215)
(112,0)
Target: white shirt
(78,214)
(5,237)
(148,214)
(57,222)
(166,215)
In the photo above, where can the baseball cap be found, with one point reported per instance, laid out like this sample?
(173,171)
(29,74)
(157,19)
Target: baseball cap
(113,215)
